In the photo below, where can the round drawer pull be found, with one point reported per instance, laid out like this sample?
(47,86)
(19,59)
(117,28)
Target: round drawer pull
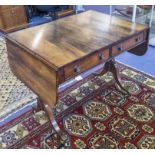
(76,69)
(101,57)
(119,48)
(136,39)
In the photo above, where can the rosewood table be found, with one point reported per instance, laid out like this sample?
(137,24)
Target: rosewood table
(45,56)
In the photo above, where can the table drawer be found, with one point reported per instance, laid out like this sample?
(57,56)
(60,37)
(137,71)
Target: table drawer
(128,44)
(86,63)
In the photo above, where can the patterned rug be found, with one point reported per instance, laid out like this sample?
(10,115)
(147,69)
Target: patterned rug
(13,94)
(31,130)
(93,113)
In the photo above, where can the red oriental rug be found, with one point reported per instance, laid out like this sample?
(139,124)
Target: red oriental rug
(93,113)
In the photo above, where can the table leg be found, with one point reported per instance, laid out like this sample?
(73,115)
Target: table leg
(42,105)
(110,67)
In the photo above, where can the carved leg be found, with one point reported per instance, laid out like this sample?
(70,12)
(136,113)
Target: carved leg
(49,111)
(114,71)
(110,67)
(104,70)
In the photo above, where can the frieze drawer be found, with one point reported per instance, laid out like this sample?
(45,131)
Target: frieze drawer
(128,44)
(84,64)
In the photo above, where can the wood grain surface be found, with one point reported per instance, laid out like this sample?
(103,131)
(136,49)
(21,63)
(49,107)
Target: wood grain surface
(66,40)
(12,18)
(35,74)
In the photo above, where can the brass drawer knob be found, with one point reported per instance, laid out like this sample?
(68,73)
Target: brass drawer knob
(77,69)
(119,48)
(137,39)
(101,56)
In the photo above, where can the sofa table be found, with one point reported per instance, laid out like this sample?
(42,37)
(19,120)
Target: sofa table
(45,56)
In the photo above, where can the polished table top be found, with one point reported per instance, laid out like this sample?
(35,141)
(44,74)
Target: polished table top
(65,40)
